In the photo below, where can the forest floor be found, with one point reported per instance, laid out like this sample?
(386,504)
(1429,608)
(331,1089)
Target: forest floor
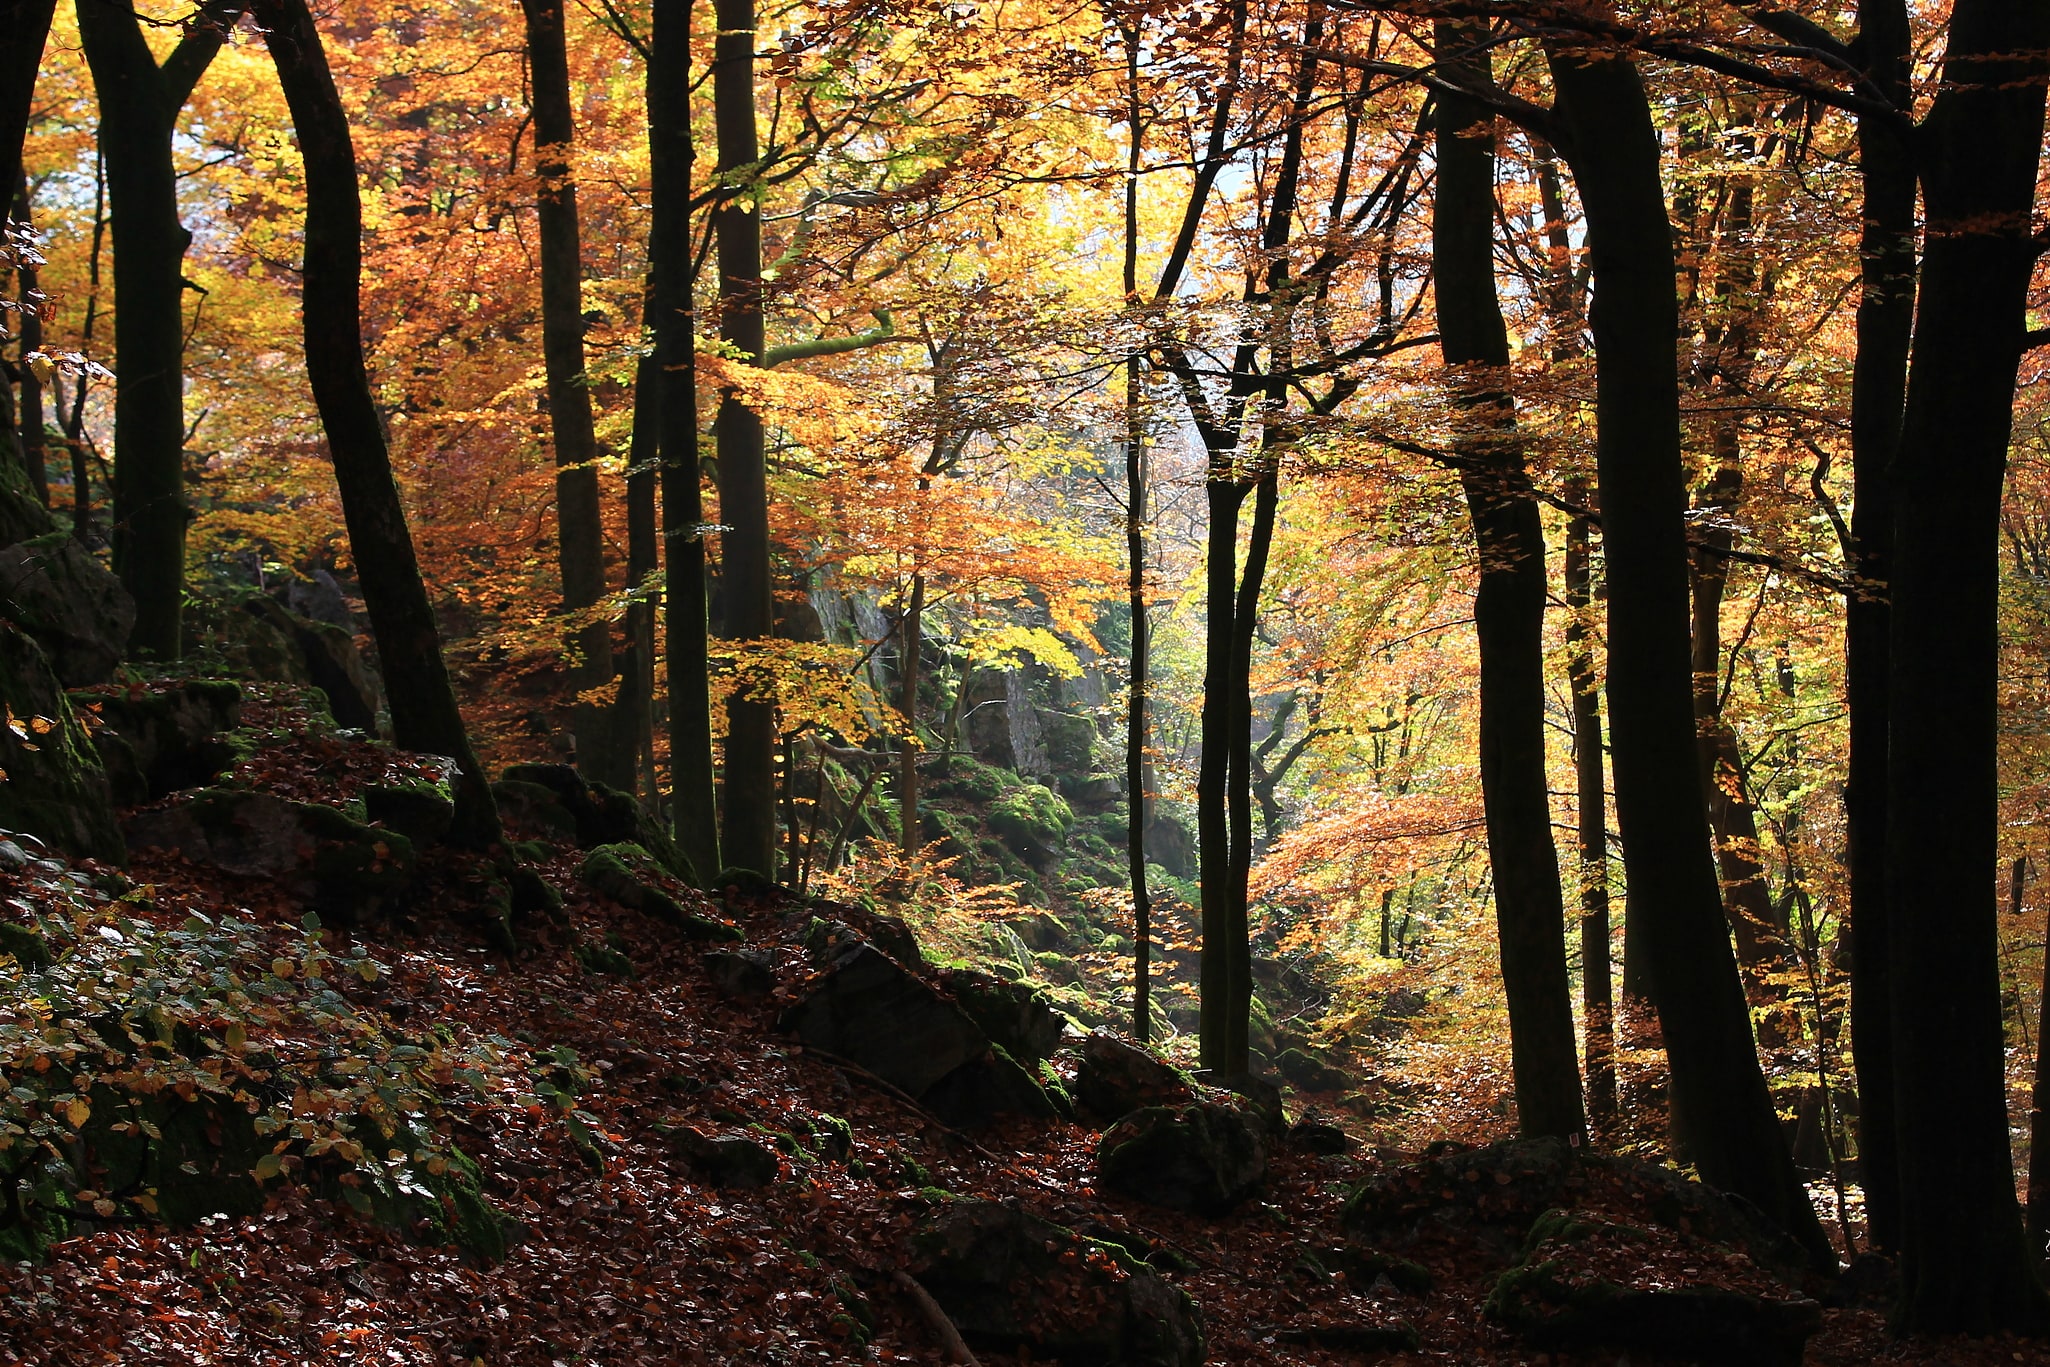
(622,1258)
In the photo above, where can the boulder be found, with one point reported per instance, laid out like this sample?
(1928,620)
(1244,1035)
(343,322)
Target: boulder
(1010,1280)
(1310,1073)
(533,809)
(595,813)
(77,611)
(727,1160)
(1033,821)
(1260,1094)
(630,876)
(742,973)
(162,740)
(1313,1134)
(982,1089)
(55,787)
(1115,1077)
(415,796)
(329,659)
(868,1010)
(1015,1015)
(1586,1284)
(22,516)
(341,868)
(1205,1157)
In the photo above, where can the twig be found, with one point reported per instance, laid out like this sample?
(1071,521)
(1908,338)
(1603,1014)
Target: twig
(950,1337)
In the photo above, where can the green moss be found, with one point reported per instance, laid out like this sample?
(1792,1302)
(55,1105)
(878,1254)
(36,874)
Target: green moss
(1033,820)
(973,781)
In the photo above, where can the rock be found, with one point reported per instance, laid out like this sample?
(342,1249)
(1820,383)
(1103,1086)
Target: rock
(1171,845)
(77,611)
(415,796)
(1205,1157)
(743,973)
(22,516)
(1311,1073)
(1015,1015)
(318,599)
(630,876)
(1010,1280)
(1258,1093)
(1044,930)
(870,1011)
(1033,821)
(1058,969)
(1319,1136)
(595,813)
(1565,1294)
(1115,1077)
(727,1160)
(894,938)
(982,1089)
(532,808)
(341,868)
(165,739)
(330,661)
(55,786)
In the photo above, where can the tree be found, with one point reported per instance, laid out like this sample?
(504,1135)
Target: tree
(139,104)
(423,704)
(1964,1264)
(1509,607)
(580,535)
(24,27)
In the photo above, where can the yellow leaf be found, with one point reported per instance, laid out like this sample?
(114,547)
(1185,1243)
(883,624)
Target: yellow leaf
(77,1110)
(103,1206)
(147,1202)
(282,968)
(268,1166)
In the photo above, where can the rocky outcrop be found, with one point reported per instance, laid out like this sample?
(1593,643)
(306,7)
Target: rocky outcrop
(1010,1280)
(340,868)
(1115,1077)
(55,590)
(157,741)
(554,799)
(630,876)
(1205,1157)
(55,787)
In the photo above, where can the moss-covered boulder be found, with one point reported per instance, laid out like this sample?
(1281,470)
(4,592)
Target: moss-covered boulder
(343,869)
(1589,1284)
(970,780)
(731,1159)
(632,877)
(1033,821)
(77,611)
(55,787)
(1115,1077)
(415,796)
(598,815)
(1205,1157)
(1016,1015)
(982,1089)
(1010,1280)
(22,516)
(159,740)
(1310,1073)
(867,1009)
(329,658)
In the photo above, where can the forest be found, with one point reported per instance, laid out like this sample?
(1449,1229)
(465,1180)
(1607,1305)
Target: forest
(1278,682)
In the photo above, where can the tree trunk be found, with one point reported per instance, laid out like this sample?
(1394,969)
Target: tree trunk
(634,719)
(1509,606)
(693,810)
(24,29)
(749,782)
(30,412)
(1724,1110)
(2038,1223)
(1135,577)
(423,705)
(139,102)
(1224,496)
(1598,1003)
(910,837)
(580,537)
(1886,318)
(1964,1265)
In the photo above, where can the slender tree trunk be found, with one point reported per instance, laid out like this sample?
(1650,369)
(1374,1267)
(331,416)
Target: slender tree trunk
(1239,807)
(1135,576)
(634,721)
(2038,1222)
(139,104)
(909,835)
(1224,496)
(580,536)
(1598,1003)
(24,29)
(1964,1264)
(749,783)
(30,413)
(1509,606)
(1886,318)
(1724,1110)
(693,808)
(423,704)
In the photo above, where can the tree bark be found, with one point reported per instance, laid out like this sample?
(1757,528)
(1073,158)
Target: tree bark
(1509,606)
(24,29)
(29,413)
(1136,480)
(1965,1267)
(1724,1111)
(580,537)
(139,102)
(910,837)
(1597,992)
(423,704)
(1885,325)
(2038,1213)
(748,785)
(693,807)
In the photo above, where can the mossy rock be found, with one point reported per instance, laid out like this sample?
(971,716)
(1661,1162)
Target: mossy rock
(632,877)
(417,800)
(167,738)
(1016,1016)
(54,589)
(1205,1158)
(953,833)
(56,787)
(1070,741)
(598,815)
(971,780)
(1033,821)
(530,807)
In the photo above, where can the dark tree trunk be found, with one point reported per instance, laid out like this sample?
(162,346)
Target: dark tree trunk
(1224,496)
(1724,1111)
(748,790)
(580,537)
(2039,1115)
(1509,607)
(909,667)
(635,714)
(139,102)
(1598,1002)
(1886,318)
(1964,1264)
(694,809)
(1135,578)
(423,705)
